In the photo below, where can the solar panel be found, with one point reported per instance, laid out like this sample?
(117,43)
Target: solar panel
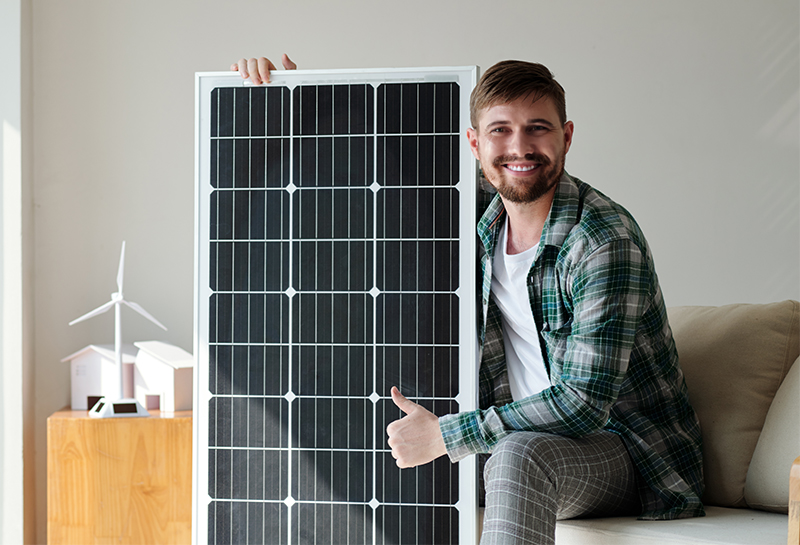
(335,259)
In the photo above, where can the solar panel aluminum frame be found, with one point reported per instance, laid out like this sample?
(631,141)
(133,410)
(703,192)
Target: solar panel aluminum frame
(205,83)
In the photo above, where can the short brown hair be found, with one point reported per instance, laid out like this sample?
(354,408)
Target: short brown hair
(509,80)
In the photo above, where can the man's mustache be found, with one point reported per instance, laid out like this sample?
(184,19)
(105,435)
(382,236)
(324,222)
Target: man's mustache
(543,160)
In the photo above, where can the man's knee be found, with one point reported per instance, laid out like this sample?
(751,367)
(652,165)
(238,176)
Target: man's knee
(521,457)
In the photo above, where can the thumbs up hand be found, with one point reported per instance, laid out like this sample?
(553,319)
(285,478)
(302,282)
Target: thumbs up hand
(415,439)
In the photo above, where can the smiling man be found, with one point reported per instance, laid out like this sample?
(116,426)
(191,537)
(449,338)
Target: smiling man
(583,407)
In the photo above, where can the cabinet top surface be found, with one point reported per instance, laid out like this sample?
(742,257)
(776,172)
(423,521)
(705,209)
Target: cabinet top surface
(67,413)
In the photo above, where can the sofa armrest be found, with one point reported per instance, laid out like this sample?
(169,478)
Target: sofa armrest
(794,503)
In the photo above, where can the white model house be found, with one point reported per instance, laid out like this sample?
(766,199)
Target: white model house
(163,377)
(94,374)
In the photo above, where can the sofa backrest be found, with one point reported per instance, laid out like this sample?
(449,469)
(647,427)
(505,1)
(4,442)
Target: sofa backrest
(734,359)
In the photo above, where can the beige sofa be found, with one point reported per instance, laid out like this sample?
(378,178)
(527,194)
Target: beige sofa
(741,368)
(740,363)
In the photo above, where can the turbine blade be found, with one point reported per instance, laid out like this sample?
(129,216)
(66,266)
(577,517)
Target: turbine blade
(93,313)
(138,308)
(121,271)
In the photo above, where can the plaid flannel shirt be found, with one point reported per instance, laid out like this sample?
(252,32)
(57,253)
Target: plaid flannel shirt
(607,346)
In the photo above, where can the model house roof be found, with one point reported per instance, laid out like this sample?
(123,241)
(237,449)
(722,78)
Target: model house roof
(107,351)
(171,355)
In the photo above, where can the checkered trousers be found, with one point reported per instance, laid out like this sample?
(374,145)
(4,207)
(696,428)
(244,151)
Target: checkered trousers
(533,479)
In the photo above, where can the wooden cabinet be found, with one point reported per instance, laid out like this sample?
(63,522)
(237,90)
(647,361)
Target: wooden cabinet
(119,480)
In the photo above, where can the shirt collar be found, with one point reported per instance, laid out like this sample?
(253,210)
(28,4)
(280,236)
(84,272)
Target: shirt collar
(560,220)
(563,212)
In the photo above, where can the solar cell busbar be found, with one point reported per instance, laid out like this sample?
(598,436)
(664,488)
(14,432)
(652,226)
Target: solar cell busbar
(335,258)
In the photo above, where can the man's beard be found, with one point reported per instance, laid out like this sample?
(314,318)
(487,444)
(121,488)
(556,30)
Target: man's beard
(525,190)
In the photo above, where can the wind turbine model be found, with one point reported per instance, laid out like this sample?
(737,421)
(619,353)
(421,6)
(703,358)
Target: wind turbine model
(118,407)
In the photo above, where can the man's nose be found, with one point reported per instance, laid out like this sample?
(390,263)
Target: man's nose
(520,144)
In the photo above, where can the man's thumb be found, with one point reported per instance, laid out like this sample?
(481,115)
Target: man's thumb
(402,403)
(288,63)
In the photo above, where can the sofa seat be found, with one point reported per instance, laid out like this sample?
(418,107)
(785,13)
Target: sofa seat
(721,525)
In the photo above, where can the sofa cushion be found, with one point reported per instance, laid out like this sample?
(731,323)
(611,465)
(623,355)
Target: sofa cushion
(767,485)
(734,359)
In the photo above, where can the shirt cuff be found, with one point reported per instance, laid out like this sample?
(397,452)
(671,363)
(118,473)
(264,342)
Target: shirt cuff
(462,435)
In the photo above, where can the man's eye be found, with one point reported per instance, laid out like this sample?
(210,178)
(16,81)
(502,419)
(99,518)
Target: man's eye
(538,128)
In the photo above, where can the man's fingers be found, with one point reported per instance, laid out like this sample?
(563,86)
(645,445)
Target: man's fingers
(258,70)
(255,74)
(288,64)
(402,403)
(241,66)
(265,66)
(400,462)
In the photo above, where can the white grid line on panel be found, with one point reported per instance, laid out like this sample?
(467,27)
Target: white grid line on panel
(307,449)
(434,275)
(402,142)
(335,188)
(290,333)
(316,278)
(335,292)
(337,343)
(332,240)
(374,301)
(233,182)
(416,266)
(331,397)
(334,502)
(264,332)
(249,233)
(452,184)
(338,136)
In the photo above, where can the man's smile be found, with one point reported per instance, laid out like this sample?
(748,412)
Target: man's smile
(521,168)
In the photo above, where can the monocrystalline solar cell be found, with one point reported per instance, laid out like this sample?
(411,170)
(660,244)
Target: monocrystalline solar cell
(335,244)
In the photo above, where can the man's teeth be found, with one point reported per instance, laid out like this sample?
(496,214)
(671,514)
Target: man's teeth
(516,168)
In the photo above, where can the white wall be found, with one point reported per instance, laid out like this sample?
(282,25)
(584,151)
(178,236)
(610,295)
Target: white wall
(11,178)
(685,111)
(16,303)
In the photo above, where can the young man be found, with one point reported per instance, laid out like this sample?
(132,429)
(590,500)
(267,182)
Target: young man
(583,406)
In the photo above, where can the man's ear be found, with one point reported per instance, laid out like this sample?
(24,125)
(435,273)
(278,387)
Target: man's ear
(569,129)
(472,136)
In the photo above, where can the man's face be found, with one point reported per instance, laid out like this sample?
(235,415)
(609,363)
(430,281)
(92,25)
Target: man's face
(521,146)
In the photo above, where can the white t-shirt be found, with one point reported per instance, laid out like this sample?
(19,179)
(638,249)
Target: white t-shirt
(526,371)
